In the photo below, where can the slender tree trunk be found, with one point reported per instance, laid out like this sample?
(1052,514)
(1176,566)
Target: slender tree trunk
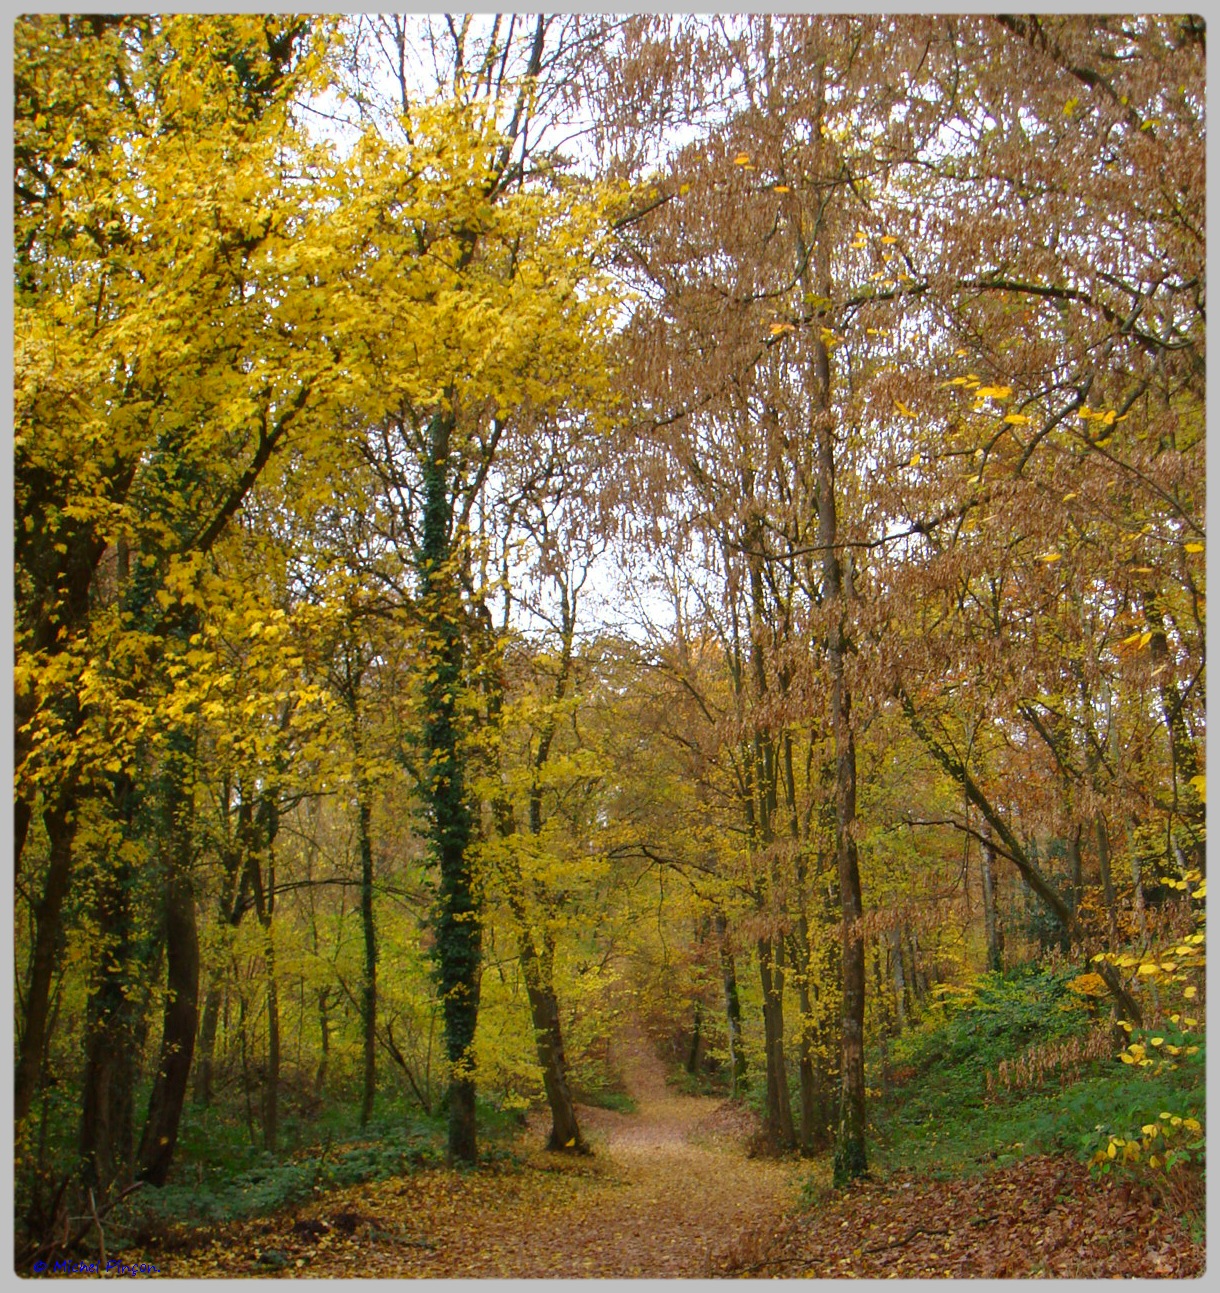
(732,1008)
(538,966)
(1107,881)
(181,1015)
(271,1084)
(319,1081)
(368,1003)
(692,1056)
(812,1131)
(780,1131)
(1075,889)
(60,824)
(995,955)
(1182,747)
(178,1031)
(902,999)
(850,1158)
(206,1047)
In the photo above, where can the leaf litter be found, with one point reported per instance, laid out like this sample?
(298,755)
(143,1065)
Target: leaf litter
(672,1191)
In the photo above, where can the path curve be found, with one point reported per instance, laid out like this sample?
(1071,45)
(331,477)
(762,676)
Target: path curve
(668,1192)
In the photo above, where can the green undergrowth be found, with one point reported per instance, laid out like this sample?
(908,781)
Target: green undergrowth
(219,1176)
(619,1101)
(940,1118)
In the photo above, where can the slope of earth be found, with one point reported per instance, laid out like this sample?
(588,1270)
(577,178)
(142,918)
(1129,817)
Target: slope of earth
(1042,1217)
(668,1192)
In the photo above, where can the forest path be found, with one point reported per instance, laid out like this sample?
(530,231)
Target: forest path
(669,1192)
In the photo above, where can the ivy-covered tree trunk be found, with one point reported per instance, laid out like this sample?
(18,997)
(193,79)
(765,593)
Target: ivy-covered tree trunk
(458,947)
(107,1109)
(181,1015)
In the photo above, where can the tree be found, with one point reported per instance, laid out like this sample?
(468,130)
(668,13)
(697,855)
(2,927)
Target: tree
(139,433)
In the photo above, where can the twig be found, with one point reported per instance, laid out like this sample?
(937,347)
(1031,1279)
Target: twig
(101,1234)
(897,1243)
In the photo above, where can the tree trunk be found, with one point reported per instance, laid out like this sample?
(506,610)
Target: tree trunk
(548,1037)
(1181,746)
(23,811)
(850,1158)
(368,1002)
(779,1129)
(732,1009)
(1075,886)
(206,1046)
(60,824)
(902,997)
(180,1019)
(995,954)
(692,1056)
(458,947)
(319,1081)
(271,1084)
(1107,881)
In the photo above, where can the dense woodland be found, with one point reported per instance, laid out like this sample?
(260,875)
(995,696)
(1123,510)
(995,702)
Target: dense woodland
(532,526)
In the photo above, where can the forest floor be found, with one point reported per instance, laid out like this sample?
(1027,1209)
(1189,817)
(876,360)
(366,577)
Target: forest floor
(671,1191)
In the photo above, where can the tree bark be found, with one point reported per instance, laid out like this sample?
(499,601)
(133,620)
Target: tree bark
(458,923)
(692,1056)
(107,1109)
(779,1128)
(206,1047)
(1107,881)
(178,1031)
(732,1008)
(368,1002)
(548,1036)
(271,1084)
(995,954)
(60,824)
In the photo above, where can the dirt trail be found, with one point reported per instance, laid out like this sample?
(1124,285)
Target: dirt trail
(669,1191)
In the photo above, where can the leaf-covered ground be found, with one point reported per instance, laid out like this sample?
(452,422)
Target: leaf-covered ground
(668,1192)
(1042,1217)
(671,1192)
